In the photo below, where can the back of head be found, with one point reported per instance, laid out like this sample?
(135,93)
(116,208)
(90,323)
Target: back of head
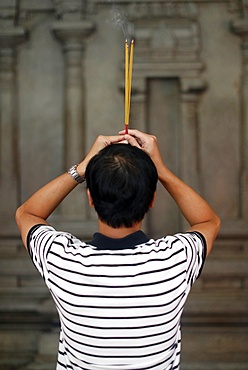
(122,180)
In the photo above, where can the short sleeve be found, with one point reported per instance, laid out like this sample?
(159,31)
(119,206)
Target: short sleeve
(46,244)
(195,248)
(39,242)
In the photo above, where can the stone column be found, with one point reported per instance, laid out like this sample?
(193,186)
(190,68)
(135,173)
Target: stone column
(240,27)
(190,170)
(72,37)
(10,38)
(73,34)
(190,91)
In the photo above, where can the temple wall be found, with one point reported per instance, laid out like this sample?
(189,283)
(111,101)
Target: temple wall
(61,84)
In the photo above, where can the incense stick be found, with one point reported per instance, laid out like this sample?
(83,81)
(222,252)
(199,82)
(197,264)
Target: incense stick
(126,84)
(128,81)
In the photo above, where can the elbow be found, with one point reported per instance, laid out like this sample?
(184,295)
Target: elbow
(18,215)
(217,224)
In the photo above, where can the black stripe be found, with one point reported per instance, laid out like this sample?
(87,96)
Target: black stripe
(125,286)
(111,296)
(115,265)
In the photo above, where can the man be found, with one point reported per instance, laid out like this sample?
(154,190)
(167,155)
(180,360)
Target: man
(119,297)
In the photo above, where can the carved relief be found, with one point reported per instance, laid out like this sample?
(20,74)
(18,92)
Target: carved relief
(234,6)
(155,9)
(243,8)
(164,30)
(72,9)
(170,39)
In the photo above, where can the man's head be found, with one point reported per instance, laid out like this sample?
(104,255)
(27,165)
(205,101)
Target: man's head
(122,181)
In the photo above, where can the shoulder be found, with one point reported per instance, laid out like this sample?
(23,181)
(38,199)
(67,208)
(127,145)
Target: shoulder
(188,248)
(193,243)
(185,240)
(42,237)
(37,230)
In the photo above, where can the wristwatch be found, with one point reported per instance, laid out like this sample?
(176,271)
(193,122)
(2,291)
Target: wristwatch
(75,175)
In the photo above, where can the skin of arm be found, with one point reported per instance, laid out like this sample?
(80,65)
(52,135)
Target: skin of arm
(194,208)
(42,203)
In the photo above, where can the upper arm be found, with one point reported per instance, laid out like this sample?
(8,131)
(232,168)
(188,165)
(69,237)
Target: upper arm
(209,230)
(25,222)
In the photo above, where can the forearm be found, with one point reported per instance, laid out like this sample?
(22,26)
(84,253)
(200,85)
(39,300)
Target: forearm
(42,203)
(194,208)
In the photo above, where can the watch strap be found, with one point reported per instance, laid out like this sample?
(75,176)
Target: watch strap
(75,175)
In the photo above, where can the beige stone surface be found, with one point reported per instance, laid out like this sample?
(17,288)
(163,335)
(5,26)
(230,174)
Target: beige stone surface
(61,81)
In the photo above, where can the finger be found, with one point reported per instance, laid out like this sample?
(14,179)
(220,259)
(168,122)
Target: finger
(116,139)
(108,140)
(135,133)
(132,132)
(132,141)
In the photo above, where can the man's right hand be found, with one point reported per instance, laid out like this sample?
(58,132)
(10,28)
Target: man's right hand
(146,142)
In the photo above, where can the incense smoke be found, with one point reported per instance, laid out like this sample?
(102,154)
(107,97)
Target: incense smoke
(118,18)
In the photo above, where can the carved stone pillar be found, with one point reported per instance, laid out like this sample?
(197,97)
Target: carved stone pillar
(9,40)
(190,166)
(72,31)
(73,35)
(190,158)
(240,27)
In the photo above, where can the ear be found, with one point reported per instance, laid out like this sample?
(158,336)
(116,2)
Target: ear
(90,199)
(153,200)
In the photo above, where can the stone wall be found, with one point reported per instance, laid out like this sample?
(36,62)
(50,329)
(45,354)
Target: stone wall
(61,84)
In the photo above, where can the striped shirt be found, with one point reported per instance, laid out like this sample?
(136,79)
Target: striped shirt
(119,300)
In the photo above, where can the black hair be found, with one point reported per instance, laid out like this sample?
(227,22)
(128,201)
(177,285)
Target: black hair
(122,180)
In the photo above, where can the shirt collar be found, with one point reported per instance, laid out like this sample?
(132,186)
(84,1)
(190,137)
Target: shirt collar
(128,242)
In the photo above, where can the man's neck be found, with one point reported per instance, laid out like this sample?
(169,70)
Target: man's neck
(118,233)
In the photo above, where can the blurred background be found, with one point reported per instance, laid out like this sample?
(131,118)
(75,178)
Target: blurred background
(62,84)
